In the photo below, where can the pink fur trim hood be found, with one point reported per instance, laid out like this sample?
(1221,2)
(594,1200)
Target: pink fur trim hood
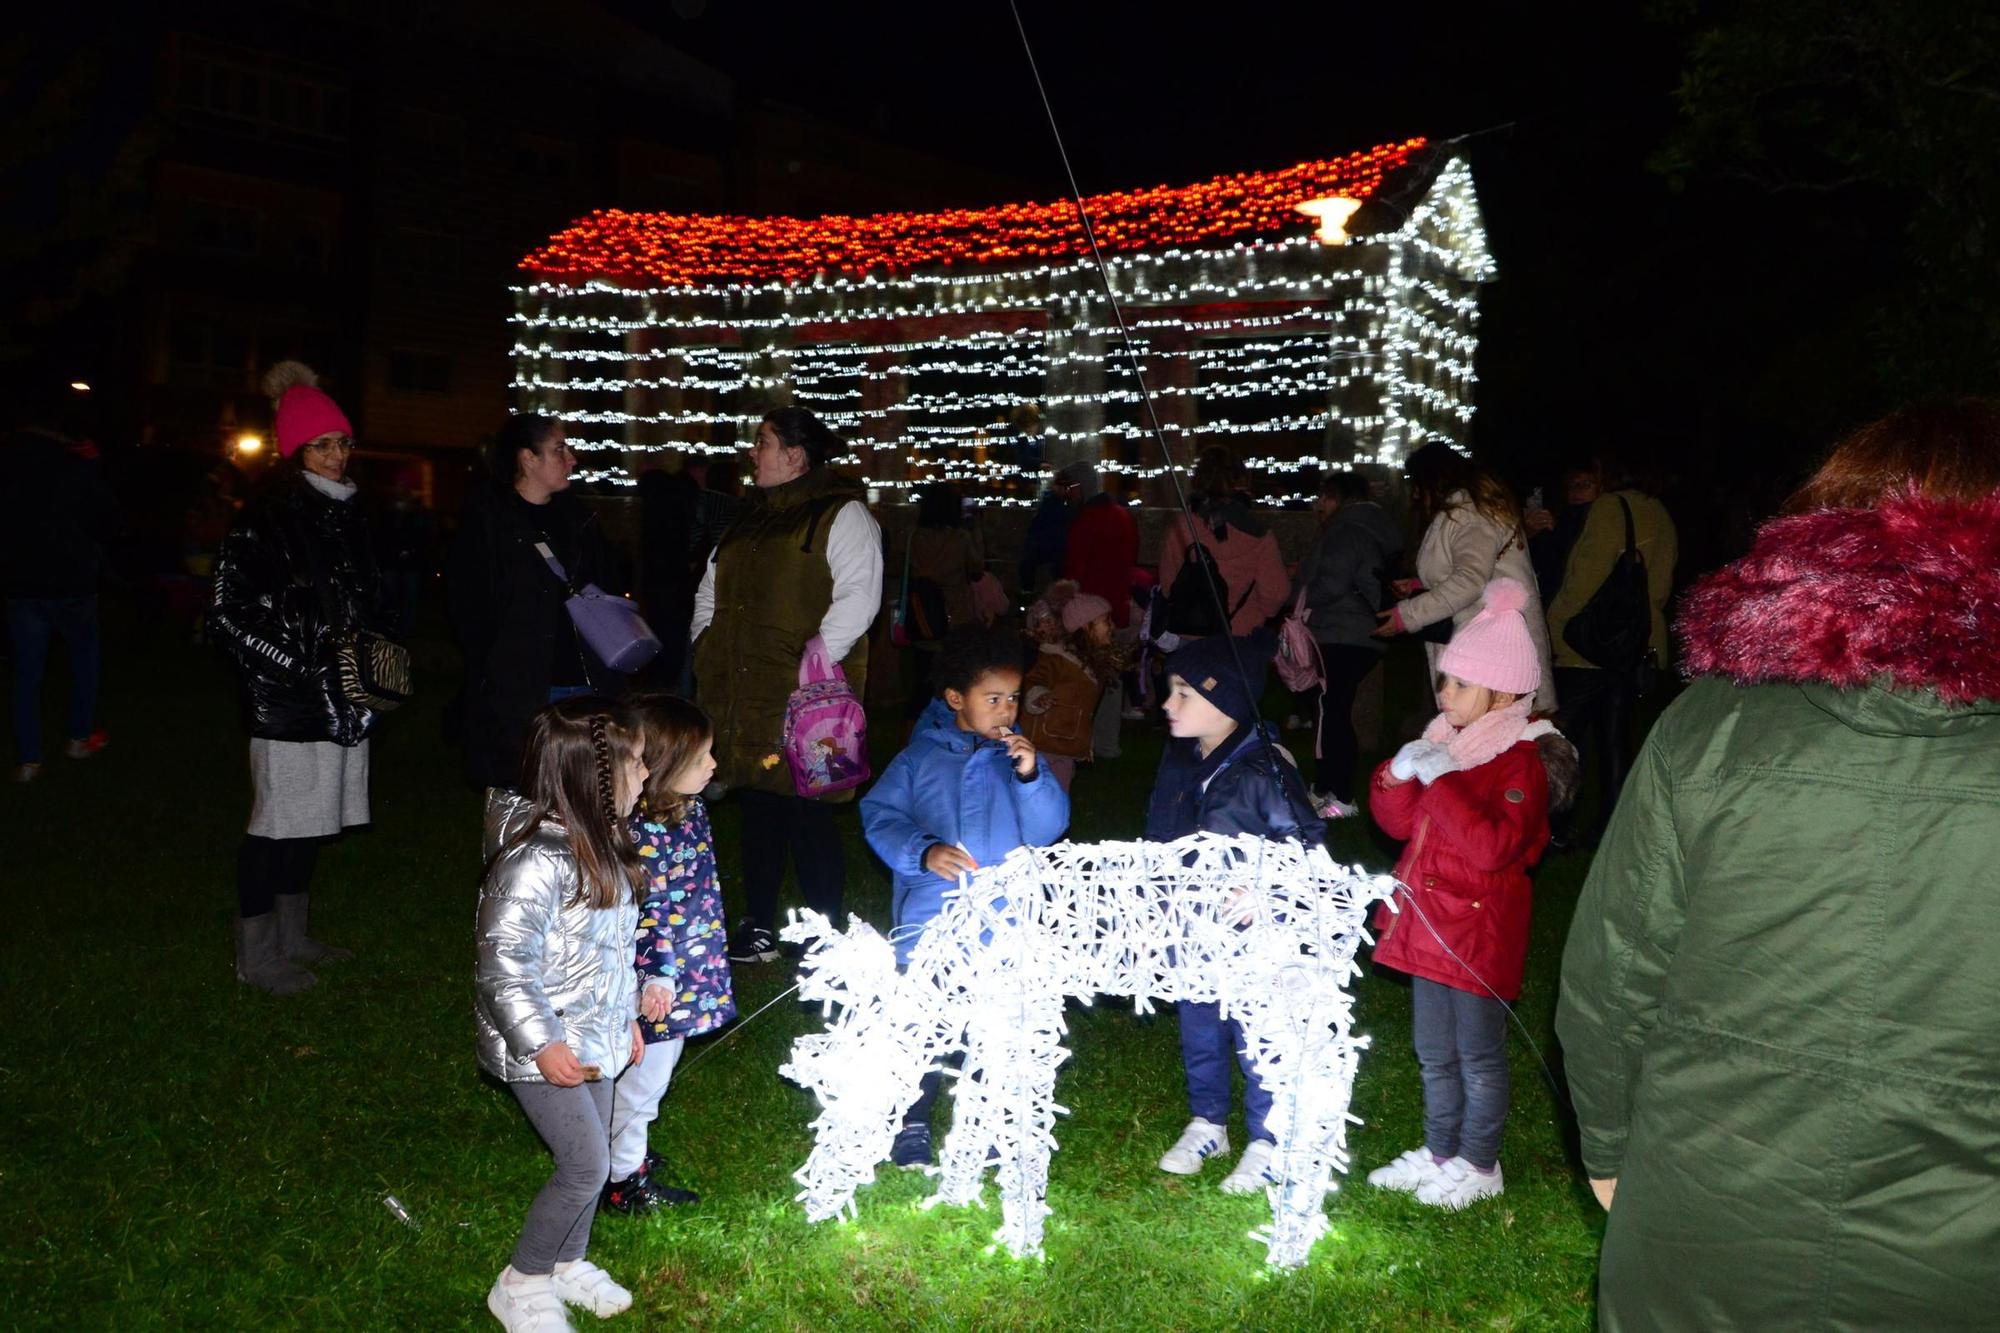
(1909,590)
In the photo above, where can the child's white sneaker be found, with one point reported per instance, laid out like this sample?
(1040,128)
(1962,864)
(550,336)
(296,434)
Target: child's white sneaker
(583,1284)
(1459,1184)
(526,1304)
(1408,1173)
(1253,1169)
(1200,1141)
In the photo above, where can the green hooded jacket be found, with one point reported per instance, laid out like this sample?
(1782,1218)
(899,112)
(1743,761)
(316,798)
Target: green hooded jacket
(1781,992)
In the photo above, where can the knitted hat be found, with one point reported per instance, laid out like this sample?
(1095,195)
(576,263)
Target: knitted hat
(1493,648)
(1081,609)
(1210,670)
(304,411)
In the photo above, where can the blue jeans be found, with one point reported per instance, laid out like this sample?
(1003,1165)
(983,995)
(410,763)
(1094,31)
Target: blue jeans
(1461,1041)
(1210,1045)
(31,622)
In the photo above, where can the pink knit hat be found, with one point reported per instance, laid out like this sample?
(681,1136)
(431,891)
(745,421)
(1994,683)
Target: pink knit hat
(304,411)
(1081,609)
(1493,648)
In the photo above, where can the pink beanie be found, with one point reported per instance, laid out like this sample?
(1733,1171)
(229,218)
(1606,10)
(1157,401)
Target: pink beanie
(1493,648)
(1081,609)
(306,413)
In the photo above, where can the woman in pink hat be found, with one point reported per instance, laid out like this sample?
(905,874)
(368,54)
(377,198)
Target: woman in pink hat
(1470,800)
(294,579)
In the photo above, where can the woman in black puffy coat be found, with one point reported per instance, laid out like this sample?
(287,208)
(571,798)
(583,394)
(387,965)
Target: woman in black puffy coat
(294,580)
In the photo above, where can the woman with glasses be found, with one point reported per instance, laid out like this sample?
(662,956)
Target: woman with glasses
(294,580)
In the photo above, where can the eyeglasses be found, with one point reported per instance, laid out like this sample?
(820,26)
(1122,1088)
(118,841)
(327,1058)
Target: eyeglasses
(339,444)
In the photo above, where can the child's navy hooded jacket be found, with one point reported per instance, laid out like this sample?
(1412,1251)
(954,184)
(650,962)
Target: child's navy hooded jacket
(1243,786)
(954,787)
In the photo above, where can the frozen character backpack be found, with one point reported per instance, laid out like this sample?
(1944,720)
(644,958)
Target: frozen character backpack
(826,731)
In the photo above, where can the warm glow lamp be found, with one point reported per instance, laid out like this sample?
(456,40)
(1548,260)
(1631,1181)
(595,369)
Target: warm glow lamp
(1333,213)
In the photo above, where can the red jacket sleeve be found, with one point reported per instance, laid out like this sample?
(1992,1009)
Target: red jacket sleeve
(1394,809)
(1494,814)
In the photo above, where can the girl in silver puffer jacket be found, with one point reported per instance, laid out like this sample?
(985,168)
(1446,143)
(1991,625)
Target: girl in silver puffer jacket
(556,989)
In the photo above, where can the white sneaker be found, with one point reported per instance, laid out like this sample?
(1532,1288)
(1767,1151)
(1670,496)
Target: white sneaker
(1458,1185)
(1253,1169)
(1200,1141)
(526,1304)
(1408,1173)
(583,1284)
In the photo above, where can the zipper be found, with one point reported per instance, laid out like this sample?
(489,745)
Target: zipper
(1416,848)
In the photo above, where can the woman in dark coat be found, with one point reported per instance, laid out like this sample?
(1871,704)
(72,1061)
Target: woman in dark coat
(521,650)
(1779,992)
(294,580)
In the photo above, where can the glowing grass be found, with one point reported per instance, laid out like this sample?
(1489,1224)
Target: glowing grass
(182,1151)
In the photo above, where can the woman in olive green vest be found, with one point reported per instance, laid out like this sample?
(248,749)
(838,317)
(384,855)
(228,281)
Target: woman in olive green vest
(803,556)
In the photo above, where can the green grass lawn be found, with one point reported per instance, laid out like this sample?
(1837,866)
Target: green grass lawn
(182,1151)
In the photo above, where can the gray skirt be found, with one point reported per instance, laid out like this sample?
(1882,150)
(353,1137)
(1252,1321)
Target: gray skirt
(307,789)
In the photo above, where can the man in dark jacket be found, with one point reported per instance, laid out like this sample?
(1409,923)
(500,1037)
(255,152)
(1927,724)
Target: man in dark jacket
(1345,580)
(57,509)
(1046,545)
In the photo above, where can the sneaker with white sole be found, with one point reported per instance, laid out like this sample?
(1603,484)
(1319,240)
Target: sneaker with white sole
(1253,1169)
(1200,1141)
(1459,1184)
(1408,1173)
(526,1304)
(583,1284)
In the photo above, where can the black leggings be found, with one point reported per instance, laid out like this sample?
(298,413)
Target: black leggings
(267,867)
(1339,750)
(1596,716)
(774,826)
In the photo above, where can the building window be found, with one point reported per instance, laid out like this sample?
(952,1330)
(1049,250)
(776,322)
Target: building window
(419,372)
(258,98)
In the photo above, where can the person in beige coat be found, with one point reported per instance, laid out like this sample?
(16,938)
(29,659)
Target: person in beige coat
(1473,535)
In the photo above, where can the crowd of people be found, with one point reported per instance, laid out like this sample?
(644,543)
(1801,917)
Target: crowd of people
(1774,987)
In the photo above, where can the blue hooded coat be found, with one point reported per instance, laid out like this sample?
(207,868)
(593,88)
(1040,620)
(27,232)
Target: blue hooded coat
(954,787)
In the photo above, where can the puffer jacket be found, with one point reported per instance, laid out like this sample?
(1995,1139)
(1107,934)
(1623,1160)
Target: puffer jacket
(1345,573)
(1470,838)
(548,971)
(1781,982)
(955,787)
(1247,784)
(1254,581)
(294,577)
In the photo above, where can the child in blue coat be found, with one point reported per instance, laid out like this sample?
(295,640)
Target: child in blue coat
(1223,772)
(967,790)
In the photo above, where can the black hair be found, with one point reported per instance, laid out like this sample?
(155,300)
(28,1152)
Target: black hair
(938,506)
(1346,487)
(970,651)
(800,429)
(523,430)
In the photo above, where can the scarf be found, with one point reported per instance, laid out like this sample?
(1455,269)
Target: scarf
(1492,735)
(332,490)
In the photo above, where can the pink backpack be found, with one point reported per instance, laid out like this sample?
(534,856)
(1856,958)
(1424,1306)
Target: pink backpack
(1300,666)
(826,730)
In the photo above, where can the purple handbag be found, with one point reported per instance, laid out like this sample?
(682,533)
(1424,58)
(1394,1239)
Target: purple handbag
(612,626)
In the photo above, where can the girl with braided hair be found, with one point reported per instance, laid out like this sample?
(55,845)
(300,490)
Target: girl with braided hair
(555,988)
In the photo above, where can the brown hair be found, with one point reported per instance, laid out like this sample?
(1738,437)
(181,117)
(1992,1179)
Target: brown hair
(569,774)
(1437,472)
(1942,451)
(673,731)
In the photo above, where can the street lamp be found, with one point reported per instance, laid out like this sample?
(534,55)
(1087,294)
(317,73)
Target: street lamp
(249,443)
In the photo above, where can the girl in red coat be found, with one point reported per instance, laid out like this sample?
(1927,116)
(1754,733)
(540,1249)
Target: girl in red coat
(1471,801)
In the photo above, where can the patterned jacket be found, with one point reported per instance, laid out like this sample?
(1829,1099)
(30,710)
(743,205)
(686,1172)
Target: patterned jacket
(681,944)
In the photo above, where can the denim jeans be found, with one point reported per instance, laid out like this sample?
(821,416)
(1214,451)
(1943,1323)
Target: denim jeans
(1210,1044)
(31,623)
(1461,1041)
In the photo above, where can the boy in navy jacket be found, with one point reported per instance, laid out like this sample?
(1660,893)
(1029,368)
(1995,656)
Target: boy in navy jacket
(1223,772)
(966,791)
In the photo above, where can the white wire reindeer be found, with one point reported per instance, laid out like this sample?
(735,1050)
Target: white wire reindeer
(1266,929)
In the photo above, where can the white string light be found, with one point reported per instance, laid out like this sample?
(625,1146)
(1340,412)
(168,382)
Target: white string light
(1265,929)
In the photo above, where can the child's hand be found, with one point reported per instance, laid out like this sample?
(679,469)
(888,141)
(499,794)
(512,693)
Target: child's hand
(1021,751)
(1406,587)
(638,1045)
(558,1064)
(654,1002)
(948,862)
(1404,766)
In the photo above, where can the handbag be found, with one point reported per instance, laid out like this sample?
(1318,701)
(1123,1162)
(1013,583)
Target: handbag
(372,671)
(1615,628)
(611,626)
(1191,608)
(825,739)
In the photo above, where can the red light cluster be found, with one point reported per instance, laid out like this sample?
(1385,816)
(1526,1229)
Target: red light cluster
(676,249)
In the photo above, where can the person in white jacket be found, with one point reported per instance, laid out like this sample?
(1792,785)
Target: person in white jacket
(1472,536)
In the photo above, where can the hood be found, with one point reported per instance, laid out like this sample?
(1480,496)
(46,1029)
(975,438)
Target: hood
(1894,611)
(1371,519)
(938,726)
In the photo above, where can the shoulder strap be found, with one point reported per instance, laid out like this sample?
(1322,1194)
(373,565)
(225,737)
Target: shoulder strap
(1631,543)
(820,509)
(555,565)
